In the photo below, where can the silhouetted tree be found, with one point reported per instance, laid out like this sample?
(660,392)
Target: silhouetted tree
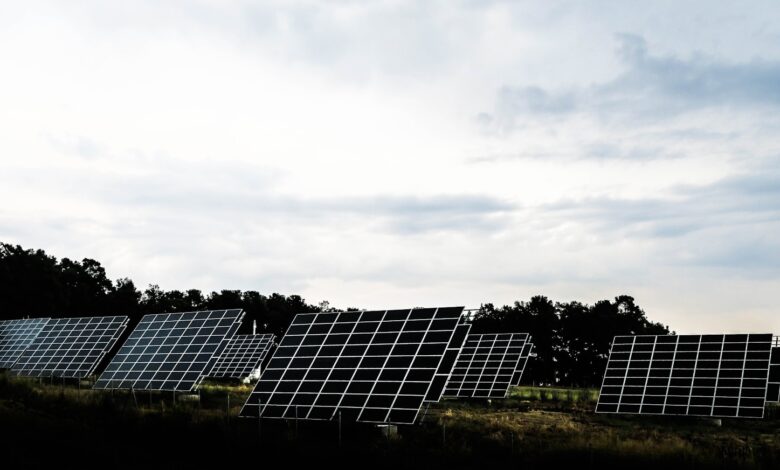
(537,317)
(85,288)
(281,311)
(30,284)
(124,299)
(572,340)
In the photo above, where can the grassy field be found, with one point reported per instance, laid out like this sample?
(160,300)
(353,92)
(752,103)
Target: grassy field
(533,428)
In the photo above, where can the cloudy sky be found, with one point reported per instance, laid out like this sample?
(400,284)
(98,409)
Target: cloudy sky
(394,154)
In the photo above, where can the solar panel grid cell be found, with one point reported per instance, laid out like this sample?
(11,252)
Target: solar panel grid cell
(371,366)
(486,366)
(171,351)
(16,336)
(701,375)
(70,347)
(243,355)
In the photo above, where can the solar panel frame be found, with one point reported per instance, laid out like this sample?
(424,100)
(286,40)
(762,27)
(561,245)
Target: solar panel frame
(486,365)
(528,348)
(690,375)
(243,355)
(773,380)
(16,336)
(373,366)
(448,363)
(171,351)
(70,347)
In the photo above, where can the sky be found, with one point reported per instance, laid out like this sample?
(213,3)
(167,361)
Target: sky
(389,154)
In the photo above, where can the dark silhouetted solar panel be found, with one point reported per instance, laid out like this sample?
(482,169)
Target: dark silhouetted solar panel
(698,375)
(486,365)
(243,356)
(171,351)
(773,387)
(528,349)
(16,336)
(371,366)
(70,347)
(448,363)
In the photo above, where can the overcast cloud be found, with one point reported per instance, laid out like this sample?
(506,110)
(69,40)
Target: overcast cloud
(393,154)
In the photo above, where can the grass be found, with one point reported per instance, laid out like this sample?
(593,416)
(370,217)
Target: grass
(533,428)
(581,396)
(541,435)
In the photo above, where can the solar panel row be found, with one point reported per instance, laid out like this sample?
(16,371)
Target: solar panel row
(486,365)
(380,366)
(171,351)
(16,336)
(243,356)
(702,375)
(371,366)
(70,347)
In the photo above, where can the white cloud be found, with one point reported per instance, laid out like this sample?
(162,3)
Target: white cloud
(340,151)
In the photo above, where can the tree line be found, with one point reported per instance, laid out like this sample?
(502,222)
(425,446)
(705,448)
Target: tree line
(571,339)
(34,284)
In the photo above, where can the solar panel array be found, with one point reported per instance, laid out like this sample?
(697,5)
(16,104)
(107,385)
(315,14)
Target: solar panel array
(16,336)
(486,365)
(171,351)
(369,366)
(698,375)
(773,387)
(70,347)
(524,356)
(243,355)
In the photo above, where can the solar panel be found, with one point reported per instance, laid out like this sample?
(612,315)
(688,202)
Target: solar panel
(448,363)
(697,375)
(369,366)
(486,365)
(70,347)
(243,356)
(524,356)
(16,336)
(773,387)
(171,351)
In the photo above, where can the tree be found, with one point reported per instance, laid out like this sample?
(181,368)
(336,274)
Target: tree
(124,298)
(539,318)
(29,283)
(584,343)
(572,340)
(85,286)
